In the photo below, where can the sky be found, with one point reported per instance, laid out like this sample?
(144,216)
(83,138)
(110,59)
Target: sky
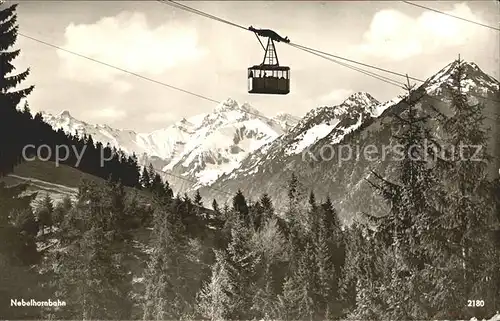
(210,58)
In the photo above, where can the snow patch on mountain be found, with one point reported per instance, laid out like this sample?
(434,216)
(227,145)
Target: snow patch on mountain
(311,136)
(322,121)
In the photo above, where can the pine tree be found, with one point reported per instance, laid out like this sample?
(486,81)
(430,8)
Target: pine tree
(145,179)
(158,187)
(405,233)
(299,300)
(271,247)
(169,277)
(365,274)
(215,206)
(215,298)
(198,200)
(10,145)
(45,212)
(235,270)
(8,37)
(240,206)
(169,193)
(242,260)
(267,206)
(469,213)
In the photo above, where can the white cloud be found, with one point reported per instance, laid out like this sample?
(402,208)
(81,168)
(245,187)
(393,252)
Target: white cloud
(110,114)
(126,41)
(160,117)
(397,36)
(335,97)
(121,86)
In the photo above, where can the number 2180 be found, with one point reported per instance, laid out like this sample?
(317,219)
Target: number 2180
(475,303)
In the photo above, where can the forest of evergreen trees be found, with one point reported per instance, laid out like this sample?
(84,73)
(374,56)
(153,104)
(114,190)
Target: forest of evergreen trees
(436,248)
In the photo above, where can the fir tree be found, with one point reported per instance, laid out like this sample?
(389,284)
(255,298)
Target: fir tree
(299,300)
(267,207)
(271,247)
(169,283)
(45,213)
(198,200)
(215,206)
(242,262)
(240,206)
(10,144)
(405,233)
(215,298)
(145,179)
(469,212)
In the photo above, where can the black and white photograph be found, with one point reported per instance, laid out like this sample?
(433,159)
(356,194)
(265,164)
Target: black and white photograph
(249,160)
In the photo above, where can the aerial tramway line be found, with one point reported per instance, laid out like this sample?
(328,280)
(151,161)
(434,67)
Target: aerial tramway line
(269,77)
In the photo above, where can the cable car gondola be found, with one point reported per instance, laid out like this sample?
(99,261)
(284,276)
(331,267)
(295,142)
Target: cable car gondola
(269,77)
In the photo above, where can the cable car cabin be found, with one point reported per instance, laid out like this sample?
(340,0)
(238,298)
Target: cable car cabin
(269,79)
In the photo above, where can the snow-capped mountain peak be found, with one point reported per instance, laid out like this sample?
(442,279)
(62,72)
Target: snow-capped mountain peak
(360,98)
(64,114)
(473,77)
(227,105)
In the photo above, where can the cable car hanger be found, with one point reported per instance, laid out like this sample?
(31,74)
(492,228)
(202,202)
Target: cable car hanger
(269,77)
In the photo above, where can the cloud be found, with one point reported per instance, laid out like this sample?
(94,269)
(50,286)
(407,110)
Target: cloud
(109,114)
(397,36)
(128,42)
(121,86)
(160,117)
(335,97)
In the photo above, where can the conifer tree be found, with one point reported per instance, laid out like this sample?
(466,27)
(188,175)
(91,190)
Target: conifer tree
(215,301)
(170,282)
(267,207)
(469,212)
(272,249)
(45,213)
(215,206)
(10,145)
(242,260)
(198,200)
(405,233)
(299,300)
(235,270)
(145,179)
(240,206)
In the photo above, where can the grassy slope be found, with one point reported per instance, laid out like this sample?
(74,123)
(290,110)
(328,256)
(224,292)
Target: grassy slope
(48,172)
